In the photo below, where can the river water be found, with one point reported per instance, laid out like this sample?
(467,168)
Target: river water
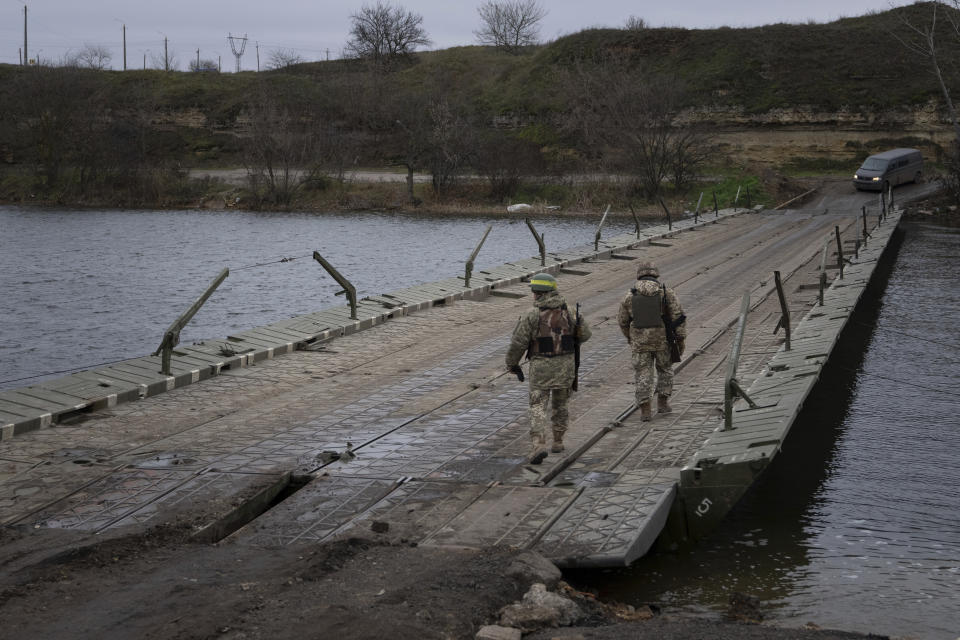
(83,288)
(856,526)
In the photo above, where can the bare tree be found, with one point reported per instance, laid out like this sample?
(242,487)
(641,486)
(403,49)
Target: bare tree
(628,113)
(90,57)
(504,160)
(510,24)
(168,62)
(382,33)
(928,37)
(635,23)
(690,149)
(282,58)
(448,145)
(205,64)
(923,38)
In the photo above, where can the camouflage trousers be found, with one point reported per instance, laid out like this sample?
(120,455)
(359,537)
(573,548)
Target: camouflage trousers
(648,365)
(557,398)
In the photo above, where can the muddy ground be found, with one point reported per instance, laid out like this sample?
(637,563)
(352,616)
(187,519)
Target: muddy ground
(57,584)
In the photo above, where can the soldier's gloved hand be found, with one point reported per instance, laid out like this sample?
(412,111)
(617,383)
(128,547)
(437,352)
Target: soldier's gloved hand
(680,345)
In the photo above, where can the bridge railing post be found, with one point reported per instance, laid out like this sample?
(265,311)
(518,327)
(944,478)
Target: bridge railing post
(171,336)
(836,231)
(636,220)
(866,233)
(696,212)
(348,288)
(784,309)
(716,206)
(473,256)
(596,239)
(667,211)
(736,199)
(731,388)
(823,271)
(539,238)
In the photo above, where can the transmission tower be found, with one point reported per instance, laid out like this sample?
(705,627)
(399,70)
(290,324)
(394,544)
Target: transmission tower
(237,51)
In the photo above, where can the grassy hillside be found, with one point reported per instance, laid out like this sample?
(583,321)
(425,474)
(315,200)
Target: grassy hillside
(69,131)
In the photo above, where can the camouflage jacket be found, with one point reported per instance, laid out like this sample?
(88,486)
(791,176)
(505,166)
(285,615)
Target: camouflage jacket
(653,338)
(545,373)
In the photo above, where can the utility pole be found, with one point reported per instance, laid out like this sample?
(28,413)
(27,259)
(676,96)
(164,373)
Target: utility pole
(258,57)
(166,59)
(237,52)
(124,47)
(219,64)
(198,60)
(25,55)
(144,61)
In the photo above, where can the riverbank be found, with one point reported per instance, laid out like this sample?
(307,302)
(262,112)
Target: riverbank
(385,191)
(163,585)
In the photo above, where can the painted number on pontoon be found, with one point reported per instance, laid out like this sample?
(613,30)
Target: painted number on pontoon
(703,507)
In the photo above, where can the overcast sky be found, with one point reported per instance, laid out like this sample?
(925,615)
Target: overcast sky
(317,29)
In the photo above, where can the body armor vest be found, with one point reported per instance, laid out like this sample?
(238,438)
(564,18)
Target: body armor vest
(646,311)
(555,334)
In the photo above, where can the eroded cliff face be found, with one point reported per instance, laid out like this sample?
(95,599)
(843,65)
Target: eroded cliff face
(907,118)
(769,137)
(806,132)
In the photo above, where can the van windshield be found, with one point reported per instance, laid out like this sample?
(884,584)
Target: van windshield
(874,164)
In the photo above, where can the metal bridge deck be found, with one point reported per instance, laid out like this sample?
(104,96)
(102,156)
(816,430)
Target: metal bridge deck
(411,429)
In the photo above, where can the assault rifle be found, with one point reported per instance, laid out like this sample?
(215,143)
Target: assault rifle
(671,328)
(516,370)
(576,350)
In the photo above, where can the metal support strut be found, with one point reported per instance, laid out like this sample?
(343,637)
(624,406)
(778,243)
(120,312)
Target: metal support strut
(836,230)
(348,288)
(171,336)
(823,271)
(473,256)
(667,211)
(636,220)
(596,240)
(731,387)
(540,244)
(784,309)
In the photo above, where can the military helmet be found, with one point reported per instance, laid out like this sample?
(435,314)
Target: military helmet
(647,268)
(543,282)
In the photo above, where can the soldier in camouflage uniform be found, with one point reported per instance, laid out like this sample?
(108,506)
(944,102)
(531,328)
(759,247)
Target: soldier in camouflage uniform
(547,335)
(641,318)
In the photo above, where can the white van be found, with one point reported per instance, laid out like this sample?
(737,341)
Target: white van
(889,168)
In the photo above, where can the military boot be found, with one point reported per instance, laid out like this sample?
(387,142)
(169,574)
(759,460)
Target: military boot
(646,415)
(557,446)
(538,449)
(663,404)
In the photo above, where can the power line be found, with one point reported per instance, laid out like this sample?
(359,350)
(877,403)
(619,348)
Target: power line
(904,333)
(899,381)
(263,264)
